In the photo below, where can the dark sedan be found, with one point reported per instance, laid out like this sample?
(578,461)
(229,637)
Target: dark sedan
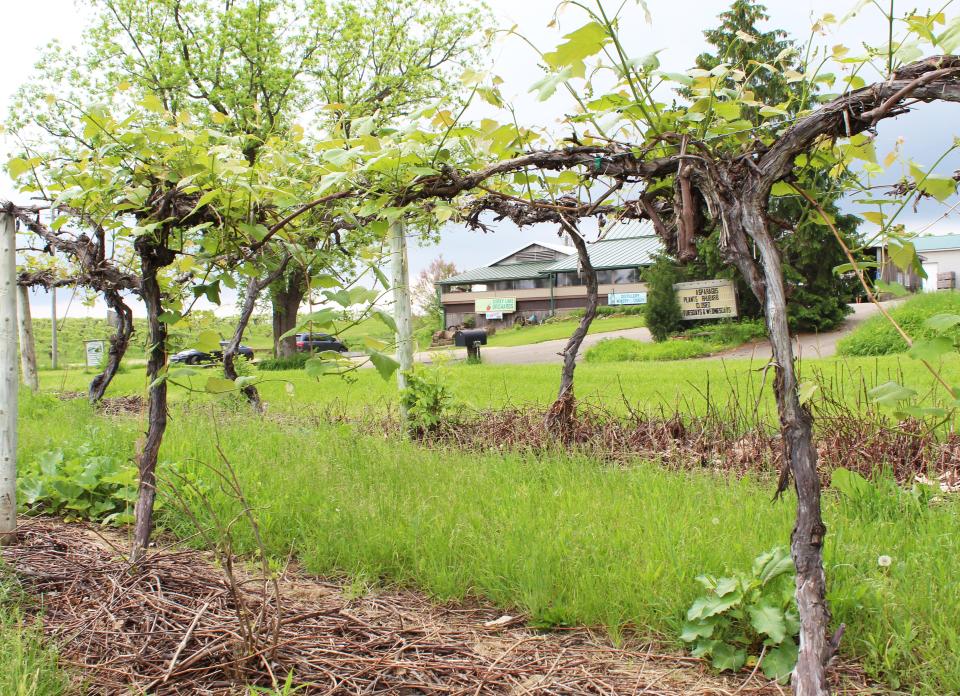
(318,343)
(196,357)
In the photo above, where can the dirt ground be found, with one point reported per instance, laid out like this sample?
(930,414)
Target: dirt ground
(175,624)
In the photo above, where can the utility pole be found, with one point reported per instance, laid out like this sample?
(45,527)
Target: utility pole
(53,329)
(402,310)
(8,380)
(28,353)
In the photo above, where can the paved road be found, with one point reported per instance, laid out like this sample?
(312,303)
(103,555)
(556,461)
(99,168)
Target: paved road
(808,345)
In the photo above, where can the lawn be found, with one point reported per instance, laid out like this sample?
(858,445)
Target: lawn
(563,538)
(668,384)
(525,335)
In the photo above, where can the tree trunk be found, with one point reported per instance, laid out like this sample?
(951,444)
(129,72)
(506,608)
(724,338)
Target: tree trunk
(28,351)
(742,214)
(560,416)
(8,380)
(119,343)
(153,257)
(286,303)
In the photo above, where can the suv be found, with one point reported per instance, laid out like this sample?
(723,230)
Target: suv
(193,356)
(318,342)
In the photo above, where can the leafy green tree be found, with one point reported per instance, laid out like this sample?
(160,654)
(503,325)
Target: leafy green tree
(817,297)
(663,311)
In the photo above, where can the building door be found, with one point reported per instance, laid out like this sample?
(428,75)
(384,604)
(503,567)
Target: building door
(930,282)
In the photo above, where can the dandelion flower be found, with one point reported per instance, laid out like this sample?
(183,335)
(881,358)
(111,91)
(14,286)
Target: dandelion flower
(884,561)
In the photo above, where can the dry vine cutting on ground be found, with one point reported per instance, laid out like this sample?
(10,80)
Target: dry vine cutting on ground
(168,626)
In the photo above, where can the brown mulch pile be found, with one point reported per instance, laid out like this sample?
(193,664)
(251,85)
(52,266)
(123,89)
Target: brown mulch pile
(169,626)
(111,405)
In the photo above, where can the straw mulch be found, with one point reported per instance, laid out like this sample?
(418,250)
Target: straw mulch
(169,625)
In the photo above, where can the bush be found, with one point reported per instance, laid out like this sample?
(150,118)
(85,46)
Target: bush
(81,486)
(876,336)
(742,615)
(626,349)
(427,399)
(663,311)
(297,361)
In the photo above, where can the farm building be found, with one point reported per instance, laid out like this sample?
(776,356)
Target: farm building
(540,280)
(940,258)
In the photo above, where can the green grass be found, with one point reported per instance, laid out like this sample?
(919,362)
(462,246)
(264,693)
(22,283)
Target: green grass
(566,539)
(28,666)
(695,343)
(525,335)
(876,336)
(625,349)
(665,384)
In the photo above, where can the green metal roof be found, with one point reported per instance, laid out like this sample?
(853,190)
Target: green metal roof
(510,271)
(614,253)
(943,242)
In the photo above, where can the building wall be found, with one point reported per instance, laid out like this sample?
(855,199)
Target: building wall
(460,305)
(947,261)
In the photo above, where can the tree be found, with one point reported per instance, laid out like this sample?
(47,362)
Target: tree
(425,290)
(817,298)
(662,311)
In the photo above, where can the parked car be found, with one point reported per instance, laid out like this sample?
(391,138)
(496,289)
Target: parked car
(318,342)
(195,357)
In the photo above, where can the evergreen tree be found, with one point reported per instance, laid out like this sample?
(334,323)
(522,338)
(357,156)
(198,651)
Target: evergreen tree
(816,297)
(663,311)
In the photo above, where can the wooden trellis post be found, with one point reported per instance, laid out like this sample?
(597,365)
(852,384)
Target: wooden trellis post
(8,379)
(402,310)
(28,352)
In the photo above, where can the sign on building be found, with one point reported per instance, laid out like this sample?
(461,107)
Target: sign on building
(494,315)
(626,298)
(496,304)
(94,352)
(707,299)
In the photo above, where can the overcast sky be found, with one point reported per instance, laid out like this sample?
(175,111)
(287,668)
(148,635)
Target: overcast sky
(676,28)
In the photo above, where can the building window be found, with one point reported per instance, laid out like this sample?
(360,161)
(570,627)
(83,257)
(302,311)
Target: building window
(626,275)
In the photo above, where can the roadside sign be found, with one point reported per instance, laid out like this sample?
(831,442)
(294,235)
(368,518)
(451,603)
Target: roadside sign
(94,351)
(626,298)
(707,299)
(494,315)
(495,304)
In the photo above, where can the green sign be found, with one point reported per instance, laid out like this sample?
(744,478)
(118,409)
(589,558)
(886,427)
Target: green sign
(496,304)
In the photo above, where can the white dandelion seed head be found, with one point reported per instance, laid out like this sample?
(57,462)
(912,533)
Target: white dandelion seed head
(884,561)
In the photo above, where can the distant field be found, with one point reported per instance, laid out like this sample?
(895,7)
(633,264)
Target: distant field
(73,332)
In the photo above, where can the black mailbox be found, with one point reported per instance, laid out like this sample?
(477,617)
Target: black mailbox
(471,339)
(467,338)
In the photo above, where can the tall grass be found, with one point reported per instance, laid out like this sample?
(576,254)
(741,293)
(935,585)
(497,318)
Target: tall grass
(564,538)
(28,666)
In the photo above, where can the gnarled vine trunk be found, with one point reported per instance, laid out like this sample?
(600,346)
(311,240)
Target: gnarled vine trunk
(153,257)
(119,343)
(739,203)
(560,415)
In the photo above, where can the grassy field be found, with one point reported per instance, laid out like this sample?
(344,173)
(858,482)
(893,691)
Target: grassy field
(561,537)
(525,335)
(684,384)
